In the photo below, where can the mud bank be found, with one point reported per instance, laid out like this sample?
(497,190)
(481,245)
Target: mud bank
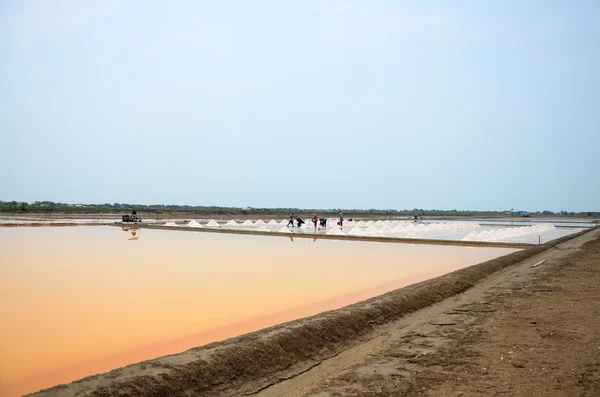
(254,361)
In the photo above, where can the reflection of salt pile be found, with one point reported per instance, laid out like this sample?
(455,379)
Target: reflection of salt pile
(259,222)
(411,235)
(232,223)
(284,230)
(263,229)
(194,223)
(212,223)
(361,224)
(248,223)
(171,224)
(272,222)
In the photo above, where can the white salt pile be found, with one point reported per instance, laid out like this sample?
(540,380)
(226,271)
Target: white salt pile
(284,230)
(263,229)
(259,222)
(371,230)
(486,236)
(248,223)
(471,237)
(171,224)
(272,222)
(232,223)
(212,223)
(356,231)
(385,228)
(335,232)
(399,228)
(194,223)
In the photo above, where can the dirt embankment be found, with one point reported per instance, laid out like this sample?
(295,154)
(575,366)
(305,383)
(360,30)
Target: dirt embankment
(530,329)
(250,363)
(542,339)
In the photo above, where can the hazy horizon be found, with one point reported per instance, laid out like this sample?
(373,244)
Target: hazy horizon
(333,104)
(334,209)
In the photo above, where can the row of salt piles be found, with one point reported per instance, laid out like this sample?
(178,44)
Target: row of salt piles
(259,222)
(501,234)
(372,231)
(408,227)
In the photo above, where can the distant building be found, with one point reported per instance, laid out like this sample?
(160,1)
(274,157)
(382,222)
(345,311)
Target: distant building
(525,214)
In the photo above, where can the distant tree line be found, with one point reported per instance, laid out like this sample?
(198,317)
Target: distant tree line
(50,207)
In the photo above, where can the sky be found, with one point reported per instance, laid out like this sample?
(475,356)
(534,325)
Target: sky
(310,104)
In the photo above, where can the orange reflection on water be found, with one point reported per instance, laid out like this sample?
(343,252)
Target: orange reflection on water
(78,301)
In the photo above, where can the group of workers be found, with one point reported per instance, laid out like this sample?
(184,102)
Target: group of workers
(315,220)
(323,221)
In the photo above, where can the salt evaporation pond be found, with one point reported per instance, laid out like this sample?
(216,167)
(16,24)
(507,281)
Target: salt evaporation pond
(76,301)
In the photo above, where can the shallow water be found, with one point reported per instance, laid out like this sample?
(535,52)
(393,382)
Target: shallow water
(530,223)
(75,301)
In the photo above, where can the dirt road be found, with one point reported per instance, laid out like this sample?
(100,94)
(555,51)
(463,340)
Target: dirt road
(526,330)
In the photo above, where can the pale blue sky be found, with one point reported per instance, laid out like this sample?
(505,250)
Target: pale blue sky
(351,104)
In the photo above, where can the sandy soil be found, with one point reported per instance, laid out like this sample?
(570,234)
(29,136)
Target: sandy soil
(543,339)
